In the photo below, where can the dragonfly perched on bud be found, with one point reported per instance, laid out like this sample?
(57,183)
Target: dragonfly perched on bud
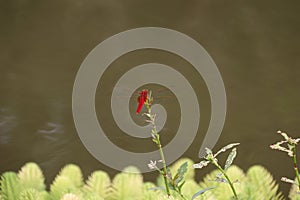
(126,102)
(143,98)
(162,95)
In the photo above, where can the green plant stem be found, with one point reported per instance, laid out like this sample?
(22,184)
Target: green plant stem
(181,195)
(164,163)
(227,178)
(295,165)
(152,118)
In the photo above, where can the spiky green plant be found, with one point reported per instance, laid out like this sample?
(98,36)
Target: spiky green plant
(31,176)
(45,195)
(148,193)
(189,188)
(73,172)
(127,185)
(99,183)
(257,183)
(69,180)
(92,196)
(69,196)
(30,194)
(10,186)
(261,183)
(62,185)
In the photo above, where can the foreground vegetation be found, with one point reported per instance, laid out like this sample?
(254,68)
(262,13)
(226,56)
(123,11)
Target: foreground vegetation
(28,184)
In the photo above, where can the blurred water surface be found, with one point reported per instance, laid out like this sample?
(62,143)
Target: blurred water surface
(255,45)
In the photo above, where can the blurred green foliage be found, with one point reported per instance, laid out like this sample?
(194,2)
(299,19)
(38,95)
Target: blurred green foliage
(28,184)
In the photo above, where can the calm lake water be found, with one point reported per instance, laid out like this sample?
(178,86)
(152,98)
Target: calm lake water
(255,45)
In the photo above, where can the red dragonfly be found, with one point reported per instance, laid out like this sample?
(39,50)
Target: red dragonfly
(160,94)
(142,99)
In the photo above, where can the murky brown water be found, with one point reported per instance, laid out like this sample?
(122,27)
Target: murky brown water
(255,45)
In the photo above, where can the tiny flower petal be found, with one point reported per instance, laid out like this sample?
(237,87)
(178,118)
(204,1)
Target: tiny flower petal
(200,165)
(287,180)
(152,165)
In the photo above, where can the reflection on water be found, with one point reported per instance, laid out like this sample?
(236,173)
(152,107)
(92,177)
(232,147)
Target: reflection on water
(254,43)
(51,130)
(7,123)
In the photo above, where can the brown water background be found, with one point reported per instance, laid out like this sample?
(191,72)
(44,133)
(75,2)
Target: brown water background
(255,45)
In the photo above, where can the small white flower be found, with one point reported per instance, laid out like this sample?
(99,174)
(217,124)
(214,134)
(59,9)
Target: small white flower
(201,164)
(152,165)
(153,136)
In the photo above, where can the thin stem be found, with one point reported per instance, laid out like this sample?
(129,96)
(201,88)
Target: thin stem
(227,178)
(164,164)
(181,195)
(295,164)
(152,119)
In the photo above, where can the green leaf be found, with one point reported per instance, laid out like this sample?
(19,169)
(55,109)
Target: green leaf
(180,173)
(229,146)
(201,192)
(10,186)
(230,159)
(157,188)
(173,169)
(180,186)
(155,141)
